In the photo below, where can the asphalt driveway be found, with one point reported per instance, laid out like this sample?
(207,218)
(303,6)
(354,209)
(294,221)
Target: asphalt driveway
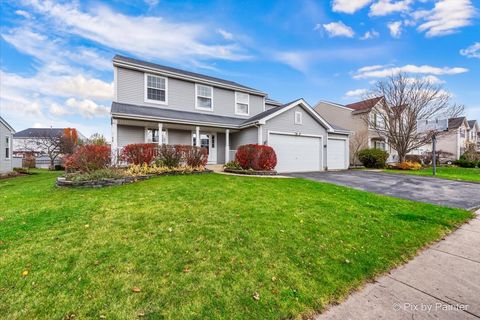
(465,195)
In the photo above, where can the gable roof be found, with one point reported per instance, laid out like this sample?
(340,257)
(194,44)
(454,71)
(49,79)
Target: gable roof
(455,123)
(364,105)
(39,133)
(118,59)
(471,123)
(273,102)
(5,123)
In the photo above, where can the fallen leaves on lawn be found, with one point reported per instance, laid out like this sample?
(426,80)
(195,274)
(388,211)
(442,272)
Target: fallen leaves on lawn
(136,289)
(274,279)
(256,296)
(186,270)
(25,273)
(170,229)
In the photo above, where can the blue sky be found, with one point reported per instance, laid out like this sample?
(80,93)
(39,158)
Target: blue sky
(56,56)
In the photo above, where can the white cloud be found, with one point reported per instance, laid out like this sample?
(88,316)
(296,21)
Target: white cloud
(53,51)
(58,110)
(23,13)
(381,72)
(87,108)
(370,35)
(447,17)
(338,29)
(357,93)
(386,7)
(140,35)
(349,6)
(395,28)
(225,34)
(297,60)
(429,78)
(472,52)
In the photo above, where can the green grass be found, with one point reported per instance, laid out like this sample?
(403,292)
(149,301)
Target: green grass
(451,173)
(199,246)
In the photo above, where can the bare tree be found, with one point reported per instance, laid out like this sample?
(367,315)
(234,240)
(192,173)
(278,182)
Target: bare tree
(406,100)
(358,141)
(50,142)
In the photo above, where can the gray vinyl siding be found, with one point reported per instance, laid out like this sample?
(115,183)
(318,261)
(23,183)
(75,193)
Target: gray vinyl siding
(5,164)
(130,134)
(180,95)
(179,136)
(246,136)
(285,122)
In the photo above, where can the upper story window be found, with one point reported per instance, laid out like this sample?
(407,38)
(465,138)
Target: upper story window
(242,101)
(204,97)
(379,121)
(156,89)
(298,117)
(7,147)
(462,132)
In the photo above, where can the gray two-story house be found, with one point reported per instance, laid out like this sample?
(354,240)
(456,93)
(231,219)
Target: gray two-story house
(6,154)
(159,104)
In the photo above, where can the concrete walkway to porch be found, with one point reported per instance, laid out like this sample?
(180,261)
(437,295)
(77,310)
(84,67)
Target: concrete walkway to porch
(442,282)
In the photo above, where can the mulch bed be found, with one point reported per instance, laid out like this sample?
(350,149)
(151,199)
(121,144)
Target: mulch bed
(63,182)
(252,172)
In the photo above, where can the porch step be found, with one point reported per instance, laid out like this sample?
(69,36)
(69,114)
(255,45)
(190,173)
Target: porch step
(215,167)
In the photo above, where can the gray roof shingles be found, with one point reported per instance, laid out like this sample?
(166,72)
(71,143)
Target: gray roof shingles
(39,133)
(454,123)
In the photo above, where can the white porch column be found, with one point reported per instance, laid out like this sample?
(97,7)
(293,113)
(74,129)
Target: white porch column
(227,145)
(160,133)
(197,134)
(260,135)
(114,141)
(145,133)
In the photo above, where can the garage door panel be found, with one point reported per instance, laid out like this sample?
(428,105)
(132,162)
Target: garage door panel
(296,153)
(336,154)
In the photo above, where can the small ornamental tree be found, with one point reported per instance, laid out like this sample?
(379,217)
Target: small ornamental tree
(139,153)
(256,157)
(88,158)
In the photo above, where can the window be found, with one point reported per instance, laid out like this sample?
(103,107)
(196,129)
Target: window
(379,121)
(378,144)
(204,97)
(462,133)
(242,101)
(7,147)
(298,117)
(153,136)
(156,89)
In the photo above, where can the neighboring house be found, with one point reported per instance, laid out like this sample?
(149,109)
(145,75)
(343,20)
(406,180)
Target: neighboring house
(159,104)
(474,133)
(352,116)
(6,141)
(456,138)
(34,141)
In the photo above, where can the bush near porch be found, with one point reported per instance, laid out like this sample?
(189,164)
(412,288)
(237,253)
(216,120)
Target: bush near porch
(373,158)
(256,157)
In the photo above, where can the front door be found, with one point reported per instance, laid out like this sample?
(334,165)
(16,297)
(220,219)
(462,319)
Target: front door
(208,140)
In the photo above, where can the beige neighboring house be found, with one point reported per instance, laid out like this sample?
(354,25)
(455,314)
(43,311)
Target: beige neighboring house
(6,141)
(474,133)
(460,133)
(352,116)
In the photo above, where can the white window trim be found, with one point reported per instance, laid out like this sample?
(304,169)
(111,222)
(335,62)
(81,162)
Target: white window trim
(9,146)
(196,96)
(295,117)
(146,89)
(236,102)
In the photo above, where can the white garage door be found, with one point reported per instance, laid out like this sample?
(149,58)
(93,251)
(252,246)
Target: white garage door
(296,153)
(336,154)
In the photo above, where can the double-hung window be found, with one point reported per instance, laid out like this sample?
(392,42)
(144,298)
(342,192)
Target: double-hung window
(242,101)
(7,147)
(204,97)
(156,89)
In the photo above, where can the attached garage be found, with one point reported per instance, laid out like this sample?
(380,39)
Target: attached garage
(337,154)
(296,153)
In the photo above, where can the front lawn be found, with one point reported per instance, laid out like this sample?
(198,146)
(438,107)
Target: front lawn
(452,173)
(199,247)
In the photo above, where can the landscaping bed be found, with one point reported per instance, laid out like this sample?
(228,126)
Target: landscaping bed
(200,246)
(251,172)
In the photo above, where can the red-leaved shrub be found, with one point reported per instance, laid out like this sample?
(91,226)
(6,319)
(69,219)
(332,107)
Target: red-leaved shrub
(88,158)
(196,157)
(256,157)
(139,153)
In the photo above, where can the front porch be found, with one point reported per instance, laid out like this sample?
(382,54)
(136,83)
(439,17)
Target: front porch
(217,140)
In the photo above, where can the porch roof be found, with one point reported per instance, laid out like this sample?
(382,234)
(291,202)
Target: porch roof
(156,113)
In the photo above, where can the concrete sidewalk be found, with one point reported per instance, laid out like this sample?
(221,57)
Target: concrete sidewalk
(443,282)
